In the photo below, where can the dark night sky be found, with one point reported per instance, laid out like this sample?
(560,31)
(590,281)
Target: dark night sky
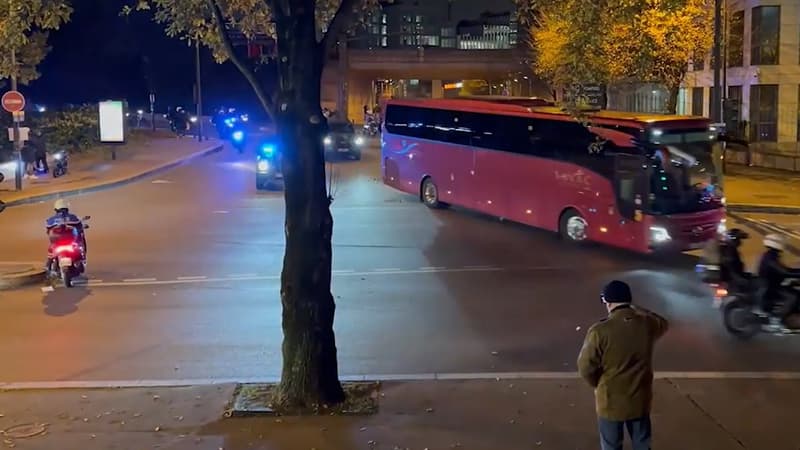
(100,55)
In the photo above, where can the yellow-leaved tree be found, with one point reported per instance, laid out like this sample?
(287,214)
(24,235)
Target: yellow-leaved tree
(582,42)
(657,44)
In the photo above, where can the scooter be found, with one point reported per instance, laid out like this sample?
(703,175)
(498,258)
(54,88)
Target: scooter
(61,164)
(741,319)
(66,255)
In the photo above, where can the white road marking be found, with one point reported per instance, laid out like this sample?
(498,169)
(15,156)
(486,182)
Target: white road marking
(431,268)
(388,269)
(161,182)
(198,277)
(220,212)
(106,384)
(243,275)
(341,273)
(478,267)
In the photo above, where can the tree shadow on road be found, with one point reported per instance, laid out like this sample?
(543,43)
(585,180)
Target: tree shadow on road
(63,302)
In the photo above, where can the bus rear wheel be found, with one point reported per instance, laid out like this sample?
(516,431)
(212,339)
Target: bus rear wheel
(429,193)
(573,227)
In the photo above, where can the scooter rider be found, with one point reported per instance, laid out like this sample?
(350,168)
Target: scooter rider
(63,218)
(731,263)
(772,273)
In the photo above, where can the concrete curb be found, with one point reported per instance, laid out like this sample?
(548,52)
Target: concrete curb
(25,278)
(763,209)
(121,181)
(764,230)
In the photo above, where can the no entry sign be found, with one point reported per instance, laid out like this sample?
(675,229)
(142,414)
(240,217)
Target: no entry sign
(13,101)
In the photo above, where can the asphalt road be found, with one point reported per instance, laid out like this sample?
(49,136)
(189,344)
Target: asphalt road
(184,284)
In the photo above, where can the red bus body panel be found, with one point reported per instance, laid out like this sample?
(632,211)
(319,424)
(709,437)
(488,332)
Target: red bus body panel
(528,189)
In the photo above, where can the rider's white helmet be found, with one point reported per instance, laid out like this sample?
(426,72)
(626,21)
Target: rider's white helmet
(60,204)
(774,241)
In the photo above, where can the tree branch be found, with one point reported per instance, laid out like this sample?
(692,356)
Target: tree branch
(248,74)
(338,24)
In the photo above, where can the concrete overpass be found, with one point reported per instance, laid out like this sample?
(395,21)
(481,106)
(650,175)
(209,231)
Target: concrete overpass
(351,77)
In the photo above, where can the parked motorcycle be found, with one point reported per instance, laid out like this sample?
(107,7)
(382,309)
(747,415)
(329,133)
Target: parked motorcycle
(67,257)
(60,164)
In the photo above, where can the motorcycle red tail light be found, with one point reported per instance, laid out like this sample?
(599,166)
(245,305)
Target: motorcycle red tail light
(721,293)
(65,248)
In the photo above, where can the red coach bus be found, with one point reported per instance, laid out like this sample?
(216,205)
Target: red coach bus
(640,182)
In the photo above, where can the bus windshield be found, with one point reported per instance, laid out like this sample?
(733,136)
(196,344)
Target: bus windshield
(686,175)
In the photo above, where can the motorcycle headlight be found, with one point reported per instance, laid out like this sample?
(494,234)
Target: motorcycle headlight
(659,235)
(238,135)
(359,140)
(327,140)
(263,166)
(58,156)
(722,227)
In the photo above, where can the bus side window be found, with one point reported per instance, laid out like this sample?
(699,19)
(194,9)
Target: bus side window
(397,119)
(489,131)
(453,126)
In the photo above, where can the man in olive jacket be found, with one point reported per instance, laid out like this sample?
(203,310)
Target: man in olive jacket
(617,360)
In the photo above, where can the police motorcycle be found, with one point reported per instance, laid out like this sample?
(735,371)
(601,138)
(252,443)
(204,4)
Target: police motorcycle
(738,297)
(268,167)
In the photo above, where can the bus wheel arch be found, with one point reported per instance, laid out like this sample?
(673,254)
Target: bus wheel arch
(429,193)
(572,226)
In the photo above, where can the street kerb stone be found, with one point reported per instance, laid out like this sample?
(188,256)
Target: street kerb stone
(118,181)
(19,274)
(255,399)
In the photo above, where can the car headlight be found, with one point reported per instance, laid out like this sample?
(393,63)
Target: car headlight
(238,135)
(327,140)
(263,166)
(359,140)
(659,234)
(193,119)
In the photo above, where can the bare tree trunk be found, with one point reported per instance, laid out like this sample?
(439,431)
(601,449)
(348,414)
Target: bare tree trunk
(310,372)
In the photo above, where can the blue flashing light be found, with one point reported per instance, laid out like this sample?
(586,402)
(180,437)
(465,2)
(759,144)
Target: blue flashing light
(268,149)
(238,135)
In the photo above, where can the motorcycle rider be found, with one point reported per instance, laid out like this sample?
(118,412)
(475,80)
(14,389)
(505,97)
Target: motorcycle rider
(772,273)
(63,218)
(731,264)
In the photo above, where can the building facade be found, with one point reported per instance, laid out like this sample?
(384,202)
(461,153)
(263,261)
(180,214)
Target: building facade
(429,48)
(762,72)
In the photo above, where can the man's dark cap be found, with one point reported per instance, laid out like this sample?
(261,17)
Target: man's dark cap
(617,292)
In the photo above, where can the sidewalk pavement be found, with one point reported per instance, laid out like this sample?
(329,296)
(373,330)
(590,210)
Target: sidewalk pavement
(14,274)
(750,189)
(552,414)
(149,154)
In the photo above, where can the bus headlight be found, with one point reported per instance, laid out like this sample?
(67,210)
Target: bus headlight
(659,235)
(263,166)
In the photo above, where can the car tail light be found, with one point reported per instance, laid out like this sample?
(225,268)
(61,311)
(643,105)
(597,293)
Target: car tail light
(720,292)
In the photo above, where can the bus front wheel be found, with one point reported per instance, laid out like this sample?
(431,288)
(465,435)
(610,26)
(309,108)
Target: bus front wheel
(573,227)
(429,193)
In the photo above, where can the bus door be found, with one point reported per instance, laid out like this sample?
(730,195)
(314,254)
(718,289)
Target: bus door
(632,192)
